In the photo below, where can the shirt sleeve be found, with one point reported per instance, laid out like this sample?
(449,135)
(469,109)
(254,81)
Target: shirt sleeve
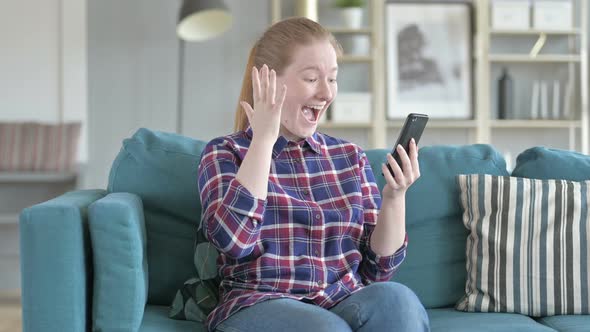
(231,215)
(374,267)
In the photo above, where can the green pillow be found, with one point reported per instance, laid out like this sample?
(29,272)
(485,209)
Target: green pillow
(119,250)
(527,249)
(200,294)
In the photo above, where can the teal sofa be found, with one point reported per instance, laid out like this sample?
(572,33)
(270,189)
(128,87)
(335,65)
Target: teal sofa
(113,260)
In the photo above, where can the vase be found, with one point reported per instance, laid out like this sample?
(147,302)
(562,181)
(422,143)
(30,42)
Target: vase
(352,17)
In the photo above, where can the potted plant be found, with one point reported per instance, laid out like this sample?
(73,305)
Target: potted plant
(352,17)
(352,12)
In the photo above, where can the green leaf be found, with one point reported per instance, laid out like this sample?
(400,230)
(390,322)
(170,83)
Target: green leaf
(349,3)
(205,260)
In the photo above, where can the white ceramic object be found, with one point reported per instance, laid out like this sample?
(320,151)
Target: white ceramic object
(352,17)
(352,107)
(511,14)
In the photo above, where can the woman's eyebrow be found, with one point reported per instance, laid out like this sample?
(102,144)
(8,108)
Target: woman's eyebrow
(316,68)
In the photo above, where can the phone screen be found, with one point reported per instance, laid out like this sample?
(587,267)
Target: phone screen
(412,128)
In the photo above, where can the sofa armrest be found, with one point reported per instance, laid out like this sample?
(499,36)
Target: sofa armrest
(56,266)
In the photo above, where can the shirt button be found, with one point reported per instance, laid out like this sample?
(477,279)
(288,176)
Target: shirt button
(317,252)
(317,216)
(305,192)
(320,283)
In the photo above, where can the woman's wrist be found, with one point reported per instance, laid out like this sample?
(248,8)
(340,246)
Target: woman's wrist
(263,141)
(394,200)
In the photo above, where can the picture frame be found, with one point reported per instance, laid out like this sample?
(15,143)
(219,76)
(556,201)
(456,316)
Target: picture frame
(429,62)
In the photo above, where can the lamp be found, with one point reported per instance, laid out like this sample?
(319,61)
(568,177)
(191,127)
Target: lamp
(197,21)
(202,20)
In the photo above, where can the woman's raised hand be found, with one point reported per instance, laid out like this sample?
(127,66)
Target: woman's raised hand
(265,116)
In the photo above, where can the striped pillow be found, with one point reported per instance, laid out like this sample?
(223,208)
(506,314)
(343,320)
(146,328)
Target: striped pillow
(38,147)
(527,251)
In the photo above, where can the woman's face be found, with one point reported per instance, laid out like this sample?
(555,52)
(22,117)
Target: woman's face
(311,88)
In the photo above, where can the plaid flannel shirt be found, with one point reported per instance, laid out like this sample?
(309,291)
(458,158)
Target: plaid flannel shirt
(309,240)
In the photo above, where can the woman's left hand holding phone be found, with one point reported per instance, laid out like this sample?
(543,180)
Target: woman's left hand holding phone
(405,175)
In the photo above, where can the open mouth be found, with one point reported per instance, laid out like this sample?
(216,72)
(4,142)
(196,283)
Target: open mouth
(312,112)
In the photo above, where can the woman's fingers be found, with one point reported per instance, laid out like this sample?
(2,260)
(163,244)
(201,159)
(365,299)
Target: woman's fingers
(387,175)
(248,110)
(255,85)
(414,159)
(272,87)
(406,164)
(264,84)
(398,174)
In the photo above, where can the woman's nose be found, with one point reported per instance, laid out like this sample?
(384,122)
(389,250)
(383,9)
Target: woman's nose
(324,91)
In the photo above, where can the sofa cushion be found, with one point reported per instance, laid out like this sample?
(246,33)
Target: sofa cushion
(527,251)
(545,163)
(118,236)
(567,323)
(161,168)
(156,319)
(451,320)
(435,262)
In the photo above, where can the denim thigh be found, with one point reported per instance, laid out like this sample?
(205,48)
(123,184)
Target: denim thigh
(284,315)
(383,306)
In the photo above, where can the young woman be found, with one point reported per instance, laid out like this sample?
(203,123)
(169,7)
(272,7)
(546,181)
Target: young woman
(307,242)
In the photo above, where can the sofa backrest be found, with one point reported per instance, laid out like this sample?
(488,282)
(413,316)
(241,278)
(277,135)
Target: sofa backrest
(547,163)
(434,267)
(162,169)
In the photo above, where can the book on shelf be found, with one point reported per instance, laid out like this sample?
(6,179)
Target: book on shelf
(544,102)
(555,107)
(567,100)
(535,100)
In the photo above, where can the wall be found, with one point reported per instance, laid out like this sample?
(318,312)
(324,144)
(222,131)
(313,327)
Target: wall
(133,68)
(132,55)
(43,62)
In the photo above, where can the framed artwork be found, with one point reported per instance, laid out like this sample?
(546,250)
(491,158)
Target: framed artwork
(429,59)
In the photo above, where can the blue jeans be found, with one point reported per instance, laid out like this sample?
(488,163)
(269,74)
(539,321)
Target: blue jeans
(382,306)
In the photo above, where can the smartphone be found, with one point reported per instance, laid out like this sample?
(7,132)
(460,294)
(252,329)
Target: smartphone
(413,128)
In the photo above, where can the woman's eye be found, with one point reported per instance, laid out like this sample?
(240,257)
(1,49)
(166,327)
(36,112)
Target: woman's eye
(310,80)
(332,80)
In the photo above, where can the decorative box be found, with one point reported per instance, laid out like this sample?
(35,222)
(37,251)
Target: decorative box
(553,15)
(511,14)
(352,107)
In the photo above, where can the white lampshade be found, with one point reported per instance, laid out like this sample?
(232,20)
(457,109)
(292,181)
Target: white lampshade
(202,20)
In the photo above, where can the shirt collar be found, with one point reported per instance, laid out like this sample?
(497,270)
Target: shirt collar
(313,142)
